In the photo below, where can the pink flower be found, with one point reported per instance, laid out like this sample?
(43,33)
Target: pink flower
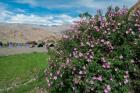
(76,81)
(91,82)
(79,77)
(125,81)
(116,69)
(89,60)
(107,42)
(132,61)
(80,72)
(47,80)
(65,36)
(99,78)
(139,29)
(50,74)
(127,32)
(102,40)
(111,78)
(67,61)
(82,44)
(92,45)
(106,65)
(88,43)
(103,59)
(108,29)
(75,49)
(91,57)
(114,30)
(94,78)
(97,29)
(126,72)
(84,67)
(136,24)
(80,54)
(130,29)
(58,72)
(107,89)
(133,33)
(119,24)
(63,65)
(126,75)
(55,77)
(49,84)
(121,57)
(75,53)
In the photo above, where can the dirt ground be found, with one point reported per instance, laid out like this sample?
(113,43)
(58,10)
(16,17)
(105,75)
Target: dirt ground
(21,50)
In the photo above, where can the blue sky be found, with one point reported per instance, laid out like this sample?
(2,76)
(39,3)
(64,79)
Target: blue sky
(52,12)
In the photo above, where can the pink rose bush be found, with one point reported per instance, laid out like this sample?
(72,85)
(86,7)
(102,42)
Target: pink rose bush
(99,55)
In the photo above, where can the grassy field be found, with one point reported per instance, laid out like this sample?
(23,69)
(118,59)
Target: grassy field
(19,69)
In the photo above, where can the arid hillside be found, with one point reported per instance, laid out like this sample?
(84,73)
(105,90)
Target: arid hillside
(22,33)
(135,7)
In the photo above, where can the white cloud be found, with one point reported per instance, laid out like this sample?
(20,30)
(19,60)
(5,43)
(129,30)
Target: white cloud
(20,17)
(5,15)
(31,2)
(103,4)
(10,17)
(77,3)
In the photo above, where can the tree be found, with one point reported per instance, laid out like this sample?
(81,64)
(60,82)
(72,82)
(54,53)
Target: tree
(85,15)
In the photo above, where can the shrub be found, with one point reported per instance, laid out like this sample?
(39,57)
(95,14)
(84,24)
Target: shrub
(99,55)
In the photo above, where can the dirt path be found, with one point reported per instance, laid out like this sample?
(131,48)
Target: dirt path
(13,51)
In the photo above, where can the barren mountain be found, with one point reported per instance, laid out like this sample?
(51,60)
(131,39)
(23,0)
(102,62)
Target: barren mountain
(22,32)
(135,7)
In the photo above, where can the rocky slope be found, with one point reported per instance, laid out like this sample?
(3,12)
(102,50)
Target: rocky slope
(22,32)
(135,7)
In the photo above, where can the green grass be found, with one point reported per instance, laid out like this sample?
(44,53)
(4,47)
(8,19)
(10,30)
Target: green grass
(32,87)
(18,69)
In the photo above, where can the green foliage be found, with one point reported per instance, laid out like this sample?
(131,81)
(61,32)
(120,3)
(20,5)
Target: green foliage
(86,15)
(100,55)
